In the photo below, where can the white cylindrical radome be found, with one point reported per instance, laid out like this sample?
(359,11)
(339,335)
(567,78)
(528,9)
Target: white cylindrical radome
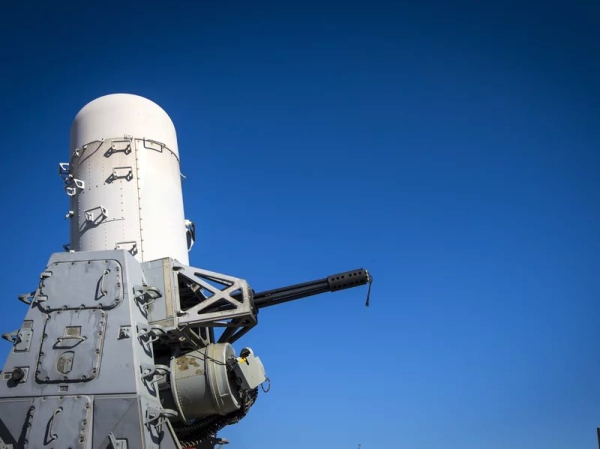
(124,180)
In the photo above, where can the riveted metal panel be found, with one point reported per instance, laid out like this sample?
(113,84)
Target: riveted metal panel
(72,346)
(60,423)
(78,285)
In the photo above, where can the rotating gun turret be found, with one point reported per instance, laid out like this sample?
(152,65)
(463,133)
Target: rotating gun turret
(123,344)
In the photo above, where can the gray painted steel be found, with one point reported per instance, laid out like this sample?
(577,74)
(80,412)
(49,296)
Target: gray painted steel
(103,353)
(114,353)
(80,349)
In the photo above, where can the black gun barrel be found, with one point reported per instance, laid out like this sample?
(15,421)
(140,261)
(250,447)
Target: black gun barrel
(332,283)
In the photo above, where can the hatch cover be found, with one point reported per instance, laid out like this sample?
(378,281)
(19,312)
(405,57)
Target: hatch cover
(59,423)
(84,284)
(72,347)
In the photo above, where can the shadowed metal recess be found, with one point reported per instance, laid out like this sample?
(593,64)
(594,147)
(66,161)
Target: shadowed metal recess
(124,345)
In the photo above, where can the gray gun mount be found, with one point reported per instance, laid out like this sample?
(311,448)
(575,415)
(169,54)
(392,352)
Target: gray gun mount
(119,354)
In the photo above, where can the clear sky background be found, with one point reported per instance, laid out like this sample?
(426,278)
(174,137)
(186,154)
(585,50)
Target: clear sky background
(451,148)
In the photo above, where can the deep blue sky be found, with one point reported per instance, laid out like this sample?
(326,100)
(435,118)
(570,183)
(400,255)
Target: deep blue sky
(453,150)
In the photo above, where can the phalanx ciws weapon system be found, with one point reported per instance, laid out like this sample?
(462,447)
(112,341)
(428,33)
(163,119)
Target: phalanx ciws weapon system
(124,345)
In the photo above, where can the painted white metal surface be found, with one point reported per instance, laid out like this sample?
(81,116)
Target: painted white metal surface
(125,180)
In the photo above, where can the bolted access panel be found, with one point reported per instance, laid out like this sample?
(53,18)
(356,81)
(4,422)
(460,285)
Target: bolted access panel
(81,284)
(72,346)
(59,423)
